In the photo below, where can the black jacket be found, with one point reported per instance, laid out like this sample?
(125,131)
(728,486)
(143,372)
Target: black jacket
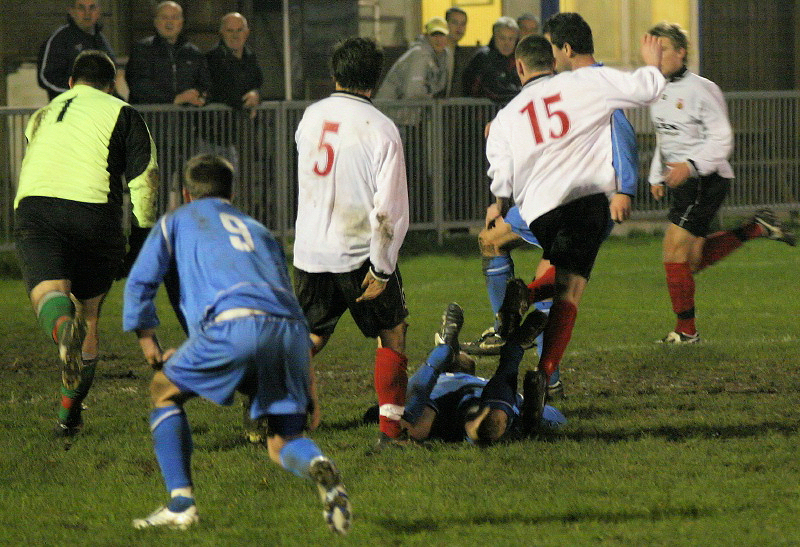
(59,51)
(492,75)
(232,77)
(157,71)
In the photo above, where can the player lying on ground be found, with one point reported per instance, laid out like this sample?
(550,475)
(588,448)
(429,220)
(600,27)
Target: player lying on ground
(446,401)
(247,333)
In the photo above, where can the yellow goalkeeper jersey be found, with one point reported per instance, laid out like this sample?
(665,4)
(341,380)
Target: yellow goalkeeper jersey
(82,144)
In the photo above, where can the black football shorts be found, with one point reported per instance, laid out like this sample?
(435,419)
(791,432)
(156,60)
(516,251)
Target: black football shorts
(696,202)
(571,234)
(325,297)
(63,239)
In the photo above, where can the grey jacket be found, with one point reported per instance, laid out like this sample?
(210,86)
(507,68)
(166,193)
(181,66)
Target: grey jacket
(418,74)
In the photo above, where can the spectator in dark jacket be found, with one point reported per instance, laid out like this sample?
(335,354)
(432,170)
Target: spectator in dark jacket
(235,74)
(491,72)
(165,68)
(56,55)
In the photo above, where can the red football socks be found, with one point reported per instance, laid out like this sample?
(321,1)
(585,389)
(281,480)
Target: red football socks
(680,283)
(391,380)
(543,287)
(557,335)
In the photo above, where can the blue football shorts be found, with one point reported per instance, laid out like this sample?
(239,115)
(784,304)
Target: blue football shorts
(262,356)
(518,226)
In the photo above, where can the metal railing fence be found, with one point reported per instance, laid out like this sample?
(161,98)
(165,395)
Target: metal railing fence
(444,147)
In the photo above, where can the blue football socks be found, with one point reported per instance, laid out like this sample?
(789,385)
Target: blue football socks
(498,270)
(421,383)
(296,455)
(172,439)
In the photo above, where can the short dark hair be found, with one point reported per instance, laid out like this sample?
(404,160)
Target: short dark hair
(356,64)
(208,175)
(451,11)
(535,52)
(677,36)
(572,29)
(95,68)
(493,426)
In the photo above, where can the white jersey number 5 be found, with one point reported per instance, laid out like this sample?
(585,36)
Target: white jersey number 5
(240,236)
(323,170)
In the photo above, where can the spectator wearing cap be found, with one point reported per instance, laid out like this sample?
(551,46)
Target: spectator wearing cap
(421,72)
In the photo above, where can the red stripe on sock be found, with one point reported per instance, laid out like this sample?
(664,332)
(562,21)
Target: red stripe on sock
(557,335)
(680,284)
(66,402)
(543,287)
(59,322)
(391,380)
(719,245)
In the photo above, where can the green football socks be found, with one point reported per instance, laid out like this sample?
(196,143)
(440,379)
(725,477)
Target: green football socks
(52,307)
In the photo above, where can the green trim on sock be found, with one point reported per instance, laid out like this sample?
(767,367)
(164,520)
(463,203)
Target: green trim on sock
(73,411)
(72,414)
(52,307)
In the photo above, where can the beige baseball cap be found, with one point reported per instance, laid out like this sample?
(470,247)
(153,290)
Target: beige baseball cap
(437,24)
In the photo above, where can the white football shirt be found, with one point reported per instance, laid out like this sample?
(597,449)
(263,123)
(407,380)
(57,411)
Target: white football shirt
(552,143)
(691,121)
(353,194)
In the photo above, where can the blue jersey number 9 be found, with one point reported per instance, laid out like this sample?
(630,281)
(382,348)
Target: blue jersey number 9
(240,236)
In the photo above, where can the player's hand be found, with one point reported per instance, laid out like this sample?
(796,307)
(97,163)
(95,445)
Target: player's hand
(151,348)
(372,287)
(651,50)
(492,214)
(677,173)
(620,208)
(658,191)
(486,129)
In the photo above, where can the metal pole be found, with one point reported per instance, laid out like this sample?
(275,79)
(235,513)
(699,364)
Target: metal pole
(287,54)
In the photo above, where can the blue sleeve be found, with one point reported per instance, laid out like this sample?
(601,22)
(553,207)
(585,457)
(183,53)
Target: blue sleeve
(139,309)
(625,156)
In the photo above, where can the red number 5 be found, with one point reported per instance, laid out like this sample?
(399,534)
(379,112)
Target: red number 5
(560,114)
(333,127)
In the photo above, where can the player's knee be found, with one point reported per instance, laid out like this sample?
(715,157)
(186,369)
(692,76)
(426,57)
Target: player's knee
(162,391)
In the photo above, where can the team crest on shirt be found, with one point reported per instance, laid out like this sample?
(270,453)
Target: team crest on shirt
(679,104)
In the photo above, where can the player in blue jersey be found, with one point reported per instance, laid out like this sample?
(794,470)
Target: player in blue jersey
(247,333)
(446,401)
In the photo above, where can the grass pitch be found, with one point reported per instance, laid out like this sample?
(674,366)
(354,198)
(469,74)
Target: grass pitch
(693,445)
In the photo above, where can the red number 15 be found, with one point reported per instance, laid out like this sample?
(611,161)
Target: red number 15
(560,114)
(333,127)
